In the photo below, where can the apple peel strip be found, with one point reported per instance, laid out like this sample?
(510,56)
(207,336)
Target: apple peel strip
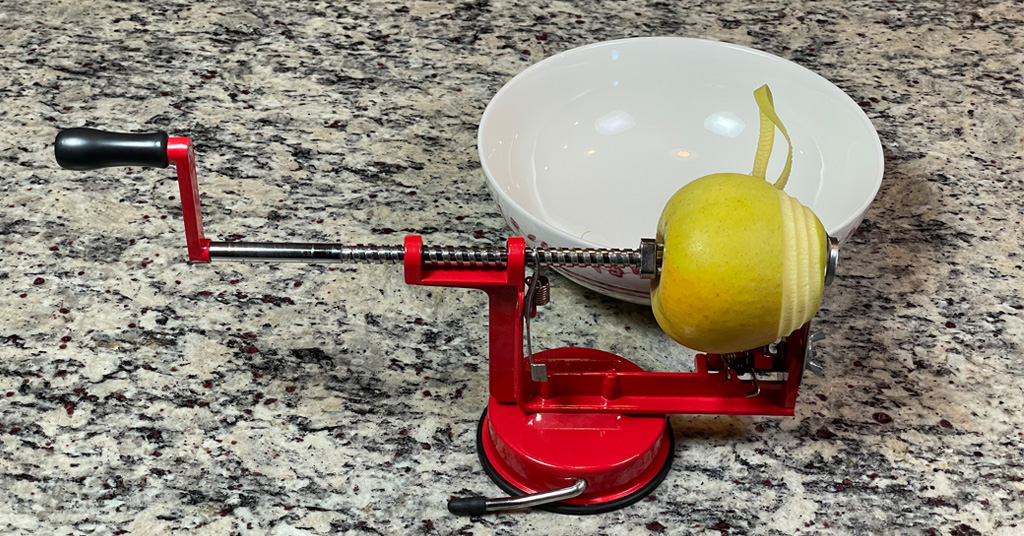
(769,122)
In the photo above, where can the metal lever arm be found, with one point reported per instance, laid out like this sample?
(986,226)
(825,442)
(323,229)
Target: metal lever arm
(476,506)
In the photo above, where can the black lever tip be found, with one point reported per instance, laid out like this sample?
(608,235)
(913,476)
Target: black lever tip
(469,506)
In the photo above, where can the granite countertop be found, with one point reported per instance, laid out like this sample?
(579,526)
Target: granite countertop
(143,395)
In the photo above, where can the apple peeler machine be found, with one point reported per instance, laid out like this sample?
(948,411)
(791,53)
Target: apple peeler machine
(570,430)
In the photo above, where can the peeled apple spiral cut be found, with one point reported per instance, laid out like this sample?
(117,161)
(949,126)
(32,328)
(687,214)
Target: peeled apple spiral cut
(743,262)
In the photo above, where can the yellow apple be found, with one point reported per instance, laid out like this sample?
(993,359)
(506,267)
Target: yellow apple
(743,264)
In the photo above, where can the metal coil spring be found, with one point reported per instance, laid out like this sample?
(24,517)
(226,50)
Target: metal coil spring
(574,257)
(542,293)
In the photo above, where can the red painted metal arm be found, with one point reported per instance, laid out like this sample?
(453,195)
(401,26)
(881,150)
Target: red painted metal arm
(179,151)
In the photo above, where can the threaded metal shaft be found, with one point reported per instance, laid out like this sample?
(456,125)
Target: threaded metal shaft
(363,254)
(432,256)
(461,256)
(569,258)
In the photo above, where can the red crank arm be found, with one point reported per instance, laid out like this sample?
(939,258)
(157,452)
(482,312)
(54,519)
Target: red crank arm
(87,148)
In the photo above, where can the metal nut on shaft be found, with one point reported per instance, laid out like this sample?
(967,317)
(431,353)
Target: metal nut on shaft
(650,258)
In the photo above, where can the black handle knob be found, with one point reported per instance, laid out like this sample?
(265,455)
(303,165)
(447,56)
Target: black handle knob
(469,506)
(88,148)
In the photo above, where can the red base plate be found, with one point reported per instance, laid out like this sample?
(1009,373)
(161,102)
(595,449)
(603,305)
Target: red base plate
(621,457)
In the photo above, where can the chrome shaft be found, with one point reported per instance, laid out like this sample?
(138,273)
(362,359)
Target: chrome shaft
(432,256)
(296,252)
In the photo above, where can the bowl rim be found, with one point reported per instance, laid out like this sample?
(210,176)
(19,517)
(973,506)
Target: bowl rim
(853,219)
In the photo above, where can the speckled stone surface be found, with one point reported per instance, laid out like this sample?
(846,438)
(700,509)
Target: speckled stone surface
(143,395)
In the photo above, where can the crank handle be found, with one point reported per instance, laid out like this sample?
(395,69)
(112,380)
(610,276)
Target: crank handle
(84,149)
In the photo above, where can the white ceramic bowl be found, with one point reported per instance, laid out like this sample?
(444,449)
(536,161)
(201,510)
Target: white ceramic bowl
(584,148)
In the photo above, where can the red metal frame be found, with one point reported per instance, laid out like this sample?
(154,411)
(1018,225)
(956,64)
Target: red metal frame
(587,383)
(504,286)
(580,381)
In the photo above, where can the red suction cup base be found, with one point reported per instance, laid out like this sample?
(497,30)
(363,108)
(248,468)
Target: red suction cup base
(621,457)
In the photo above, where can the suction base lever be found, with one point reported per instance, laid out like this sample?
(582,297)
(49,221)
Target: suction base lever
(476,506)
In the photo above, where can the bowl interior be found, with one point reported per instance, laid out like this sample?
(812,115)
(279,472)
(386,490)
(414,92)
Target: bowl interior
(593,141)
